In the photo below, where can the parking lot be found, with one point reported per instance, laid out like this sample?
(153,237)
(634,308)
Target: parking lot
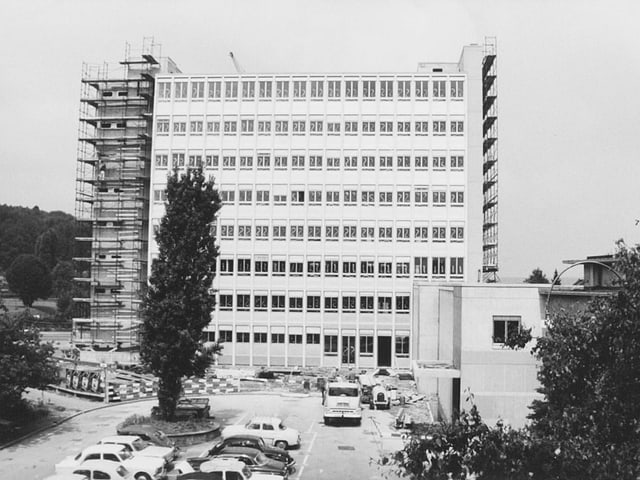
(345,452)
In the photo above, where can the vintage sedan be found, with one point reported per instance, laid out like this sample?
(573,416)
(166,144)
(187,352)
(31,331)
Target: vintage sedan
(140,448)
(228,468)
(271,429)
(257,461)
(95,469)
(248,441)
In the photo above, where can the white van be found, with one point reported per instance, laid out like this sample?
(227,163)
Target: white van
(342,402)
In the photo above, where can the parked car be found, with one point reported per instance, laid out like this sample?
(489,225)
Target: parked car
(142,468)
(252,458)
(68,476)
(230,469)
(380,398)
(190,408)
(148,433)
(96,469)
(139,447)
(271,429)
(248,441)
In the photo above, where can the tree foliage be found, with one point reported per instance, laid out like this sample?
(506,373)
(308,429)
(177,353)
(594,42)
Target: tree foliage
(179,303)
(24,361)
(537,276)
(29,278)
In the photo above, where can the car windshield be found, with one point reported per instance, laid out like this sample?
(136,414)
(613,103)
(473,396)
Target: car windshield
(343,391)
(139,444)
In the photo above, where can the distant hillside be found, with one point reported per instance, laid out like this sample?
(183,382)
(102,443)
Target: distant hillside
(21,227)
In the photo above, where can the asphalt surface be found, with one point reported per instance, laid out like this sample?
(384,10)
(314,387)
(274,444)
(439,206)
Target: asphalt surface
(345,452)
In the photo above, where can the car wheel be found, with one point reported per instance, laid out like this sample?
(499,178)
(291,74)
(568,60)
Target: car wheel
(142,476)
(281,444)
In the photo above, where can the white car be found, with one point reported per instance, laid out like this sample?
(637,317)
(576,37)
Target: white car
(142,468)
(140,448)
(99,469)
(271,429)
(232,468)
(68,476)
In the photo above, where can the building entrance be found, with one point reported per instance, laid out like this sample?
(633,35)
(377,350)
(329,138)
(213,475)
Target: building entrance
(348,350)
(384,351)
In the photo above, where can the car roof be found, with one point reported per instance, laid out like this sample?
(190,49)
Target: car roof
(343,384)
(239,450)
(265,419)
(105,448)
(242,436)
(67,476)
(98,464)
(120,438)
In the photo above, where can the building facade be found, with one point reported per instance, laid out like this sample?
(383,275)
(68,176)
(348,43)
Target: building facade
(339,192)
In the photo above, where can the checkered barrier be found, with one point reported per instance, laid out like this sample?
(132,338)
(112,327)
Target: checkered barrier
(191,386)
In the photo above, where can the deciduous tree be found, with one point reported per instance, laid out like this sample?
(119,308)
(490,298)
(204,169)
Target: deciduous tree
(179,301)
(29,278)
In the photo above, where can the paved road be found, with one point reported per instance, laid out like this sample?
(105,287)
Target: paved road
(343,452)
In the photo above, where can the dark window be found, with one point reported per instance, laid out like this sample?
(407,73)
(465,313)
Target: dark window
(331,344)
(295,338)
(313,339)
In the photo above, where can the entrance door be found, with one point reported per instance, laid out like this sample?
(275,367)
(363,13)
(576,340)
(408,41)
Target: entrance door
(348,350)
(384,351)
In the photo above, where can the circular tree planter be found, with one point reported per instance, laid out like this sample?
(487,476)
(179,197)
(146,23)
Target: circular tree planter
(183,432)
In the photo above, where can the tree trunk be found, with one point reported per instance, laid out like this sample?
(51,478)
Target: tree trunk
(169,388)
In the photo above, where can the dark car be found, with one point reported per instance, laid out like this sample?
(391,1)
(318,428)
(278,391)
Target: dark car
(247,441)
(148,433)
(252,458)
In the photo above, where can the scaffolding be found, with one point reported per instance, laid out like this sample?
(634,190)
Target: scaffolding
(112,198)
(490,161)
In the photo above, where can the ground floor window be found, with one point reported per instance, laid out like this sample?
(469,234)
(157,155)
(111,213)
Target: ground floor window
(366,345)
(313,339)
(402,346)
(225,336)
(243,337)
(295,338)
(504,326)
(259,337)
(330,344)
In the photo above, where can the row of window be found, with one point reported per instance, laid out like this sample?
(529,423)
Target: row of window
(265,161)
(331,347)
(314,89)
(346,267)
(301,127)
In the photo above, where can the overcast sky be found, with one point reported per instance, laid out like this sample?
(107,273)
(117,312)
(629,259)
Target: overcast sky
(568,92)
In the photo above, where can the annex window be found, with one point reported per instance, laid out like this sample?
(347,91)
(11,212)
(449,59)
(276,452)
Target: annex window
(422,89)
(439,162)
(298,126)
(386,128)
(231,90)
(164,90)
(402,303)
(421,197)
(385,234)
(421,266)
(246,162)
(315,127)
(368,161)
(246,126)
(295,268)
(333,163)
(404,162)
(349,232)
(162,160)
(421,233)
(439,234)
(386,198)
(213,126)
(422,127)
(386,161)
(259,337)
(368,127)
(367,234)
(262,232)
(279,267)
(439,127)
(297,161)
(279,232)
(456,266)
(162,126)
(280,162)
(350,197)
(422,162)
(277,338)
(197,90)
(314,232)
(264,126)
(404,88)
(384,269)
(403,234)
(403,198)
(351,127)
(297,232)
(367,268)
(504,327)
(439,198)
(368,197)
(230,127)
(180,90)
(212,160)
(264,161)
(366,345)
(439,88)
(404,128)
(226,266)
(244,232)
(315,162)
(295,338)
(330,304)
(282,126)
(225,336)
(248,89)
(438,266)
(350,162)
(331,267)
(313,268)
(332,232)
(402,269)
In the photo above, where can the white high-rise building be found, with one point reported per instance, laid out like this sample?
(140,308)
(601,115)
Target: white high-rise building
(339,190)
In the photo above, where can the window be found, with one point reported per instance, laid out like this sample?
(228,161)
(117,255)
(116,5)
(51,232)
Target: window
(314,232)
(313,339)
(402,346)
(297,161)
(456,234)
(264,126)
(456,266)
(386,128)
(457,198)
(244,266)
(277,303)
(279,232)
(421,234)
(439,90)
(403,198)
(243,337)
(317,90)
(366,345)
(211,161)
(228,196)
(351,127)
(404,127)
(421,197)
(160,195)
(162,160)
(333,163)
(226,266)
(225,336)
(368,127)
(422,162)
(180,90)
(262,197)
(195,160)
(315,126)
(264,89)
(230,126)
(367,234)
(404,161)
(264,161)
(299,89)
(457,88)
(231,90)
(260,303)
(313,268)
(351,88)
(348,269)
(333,197)
(457,161)
(368,197)
(297,232)
(385,234)
(369,89)
(368,161)
(214,89)
(280,162)
(179,128)
(438,266)
(259,337)
(246,162)
(330,304)
(248,90)
(315,162)
(295,304)
(504,327)
(297,197)
(422,89)
(243,302)
(226,302)
(384,269)
(226,231)
(386,88)
(279,267)
(350,162)
(386,161)
(404,88)
(386,198)
(333,127)
(162,126)
(282,89)
(177,160)
(403,234)
(333,88)
(366,268)
(439,162)
(457,127)
(164,90)
(439,234)
(244,232)
(332,232)
(245,196)
(197,90)
(439,198)
(298,126)
(331,344)
(246,126)
(366,303)
(282,126)
(402,269)
(331,267)
(349,232)
(351,197)
(384,304)
(295,338)
(422,128)
(421,268)
(348,303)
(313,303)
(277,338)
(262,232)
(439,127)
